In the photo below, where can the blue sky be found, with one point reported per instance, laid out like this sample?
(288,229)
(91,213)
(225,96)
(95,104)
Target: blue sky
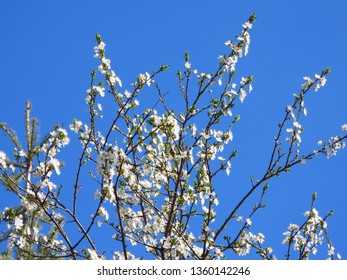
(47,55)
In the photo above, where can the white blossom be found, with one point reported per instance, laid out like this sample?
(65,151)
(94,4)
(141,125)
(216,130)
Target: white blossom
(93,255)
(56,165)
(98,89)
(76,126)
(103,212)
(145,79)
(18,222)
(243,94)
(3,159)
(322,81)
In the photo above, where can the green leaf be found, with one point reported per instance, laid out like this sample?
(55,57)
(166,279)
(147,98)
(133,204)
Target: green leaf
(98,38)
(186,56)
(164,67)
(252,18)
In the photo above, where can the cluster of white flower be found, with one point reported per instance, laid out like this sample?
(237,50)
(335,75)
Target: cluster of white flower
(97,89)
(241,47)
(309,236)
(93,255)
(162,164)
(109,160)
(176,247)
(105,66)
(121,256)
(23,232)
(238,48)
(295,133)
(145,79)
(242,92)
(159,164)
(320,81)
(298,107)
(58,139)
(308,83)
(76,126)
(331,147)
(3,163)
(247,241)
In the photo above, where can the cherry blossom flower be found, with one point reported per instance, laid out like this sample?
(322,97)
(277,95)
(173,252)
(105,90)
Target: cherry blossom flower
(3,160)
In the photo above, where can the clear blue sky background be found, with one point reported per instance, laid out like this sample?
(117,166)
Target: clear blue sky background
(47,54)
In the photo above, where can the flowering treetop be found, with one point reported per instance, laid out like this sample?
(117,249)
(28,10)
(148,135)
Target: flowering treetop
(152,171)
